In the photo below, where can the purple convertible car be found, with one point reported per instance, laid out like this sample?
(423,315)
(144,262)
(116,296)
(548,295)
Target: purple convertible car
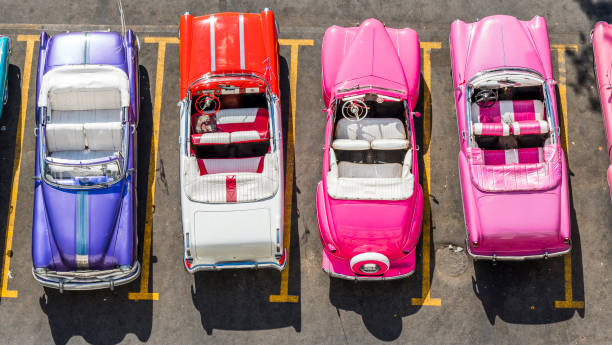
(84,227)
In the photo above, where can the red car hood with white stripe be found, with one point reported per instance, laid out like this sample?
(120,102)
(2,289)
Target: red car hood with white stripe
(228,42)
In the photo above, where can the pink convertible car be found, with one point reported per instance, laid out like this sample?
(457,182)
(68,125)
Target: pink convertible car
(512,167)
(369,202)
(602,51)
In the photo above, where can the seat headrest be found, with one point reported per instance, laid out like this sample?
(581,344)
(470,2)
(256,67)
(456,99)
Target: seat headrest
(350,145)
(390,144)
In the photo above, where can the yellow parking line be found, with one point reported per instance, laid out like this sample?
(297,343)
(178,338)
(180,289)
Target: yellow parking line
(426,283)
(144,293)
(560,49)
(284,290)
(25,87)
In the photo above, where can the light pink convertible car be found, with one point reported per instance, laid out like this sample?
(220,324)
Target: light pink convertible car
(511,164)
(602,51)
(369,202)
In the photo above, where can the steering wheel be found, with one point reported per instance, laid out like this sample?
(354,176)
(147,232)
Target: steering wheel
(208,104)
(354,110)
(486,98)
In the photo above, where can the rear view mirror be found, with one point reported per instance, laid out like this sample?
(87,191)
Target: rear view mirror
(416,114)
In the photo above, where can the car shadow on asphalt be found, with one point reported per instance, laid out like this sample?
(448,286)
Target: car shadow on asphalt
(239,299)
(526,292)
(8,135)
(382,305)
(104,316)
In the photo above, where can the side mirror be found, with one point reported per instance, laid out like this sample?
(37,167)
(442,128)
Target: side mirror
(416,113)
(554,82)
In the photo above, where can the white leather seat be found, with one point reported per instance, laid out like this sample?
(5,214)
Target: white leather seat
(350,145)
(360,170)
(83,116)
(215,138)
(244,136)
(103,136)
(65,137)
(83,99)
(390,144)
(370,129)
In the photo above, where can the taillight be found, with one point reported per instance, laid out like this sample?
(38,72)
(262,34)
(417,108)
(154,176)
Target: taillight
(566,240)
(475,244)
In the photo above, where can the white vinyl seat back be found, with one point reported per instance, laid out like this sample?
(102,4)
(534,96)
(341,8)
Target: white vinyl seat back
(370,129)
(65,137)
(84,99)
(351,145)
(390,144)
(84,116)
(362,170)
(103,136)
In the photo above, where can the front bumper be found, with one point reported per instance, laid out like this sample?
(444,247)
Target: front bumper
(87,280)
(280,265)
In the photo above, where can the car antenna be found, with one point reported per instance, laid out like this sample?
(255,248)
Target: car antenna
(122,17)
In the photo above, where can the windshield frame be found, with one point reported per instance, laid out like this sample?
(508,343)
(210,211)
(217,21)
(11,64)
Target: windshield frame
(488,74)
(273,106)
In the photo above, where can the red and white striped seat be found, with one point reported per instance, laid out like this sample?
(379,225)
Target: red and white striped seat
(230,165)
(237,125)
(504,118)
(513,156)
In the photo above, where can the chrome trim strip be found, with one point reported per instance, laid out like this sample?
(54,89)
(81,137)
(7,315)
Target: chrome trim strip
(212,42)
(241,29)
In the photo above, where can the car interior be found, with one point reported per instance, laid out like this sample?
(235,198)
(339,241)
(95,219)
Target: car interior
(375,146)
(510,124)
(84,124)
(231,128)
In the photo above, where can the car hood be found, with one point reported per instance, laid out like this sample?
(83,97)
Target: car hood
(82,223)
(504,41)
(371,226)
(372,60)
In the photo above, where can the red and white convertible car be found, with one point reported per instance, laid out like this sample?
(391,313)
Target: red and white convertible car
(231,150)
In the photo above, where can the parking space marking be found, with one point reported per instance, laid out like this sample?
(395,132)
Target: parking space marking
(144,293)
(425,298)
(561,49)
(25,87)
(295,44)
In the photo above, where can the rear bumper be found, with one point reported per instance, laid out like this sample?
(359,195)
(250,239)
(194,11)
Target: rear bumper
(517,257)
(339,268)
(277,264)
(87,280)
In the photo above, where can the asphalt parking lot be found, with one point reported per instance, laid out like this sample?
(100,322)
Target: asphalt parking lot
(449,300)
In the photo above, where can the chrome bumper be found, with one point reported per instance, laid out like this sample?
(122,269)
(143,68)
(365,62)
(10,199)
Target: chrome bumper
(516,258)
(87,280)
(236,265)
(367,278)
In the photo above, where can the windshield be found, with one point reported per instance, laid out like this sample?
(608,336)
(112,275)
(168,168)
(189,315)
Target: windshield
(83,176)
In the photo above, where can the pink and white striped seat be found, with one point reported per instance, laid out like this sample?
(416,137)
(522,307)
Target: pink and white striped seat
(238,125)
(513,156)
(504,118)
(230,165)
